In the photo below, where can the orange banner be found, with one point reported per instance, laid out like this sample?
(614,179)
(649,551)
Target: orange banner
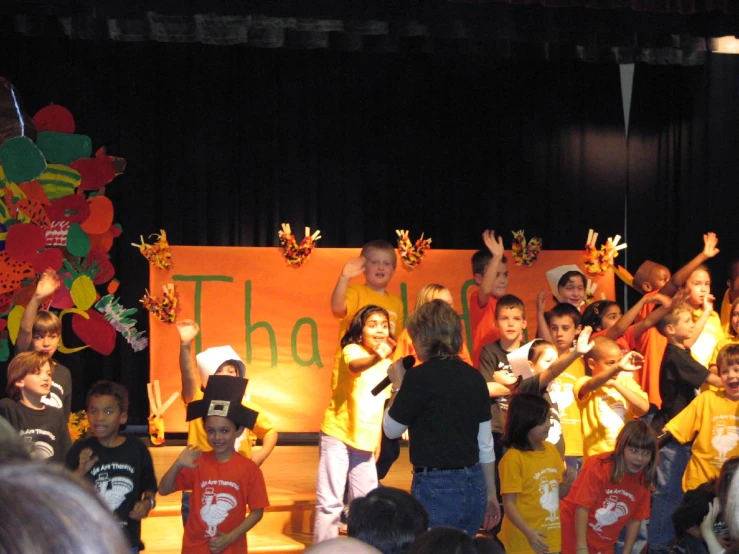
(278,318)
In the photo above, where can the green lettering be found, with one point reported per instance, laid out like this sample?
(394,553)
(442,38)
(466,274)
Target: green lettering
(199,280)
(465,315)
(316,358)
(250,328)
(404,299)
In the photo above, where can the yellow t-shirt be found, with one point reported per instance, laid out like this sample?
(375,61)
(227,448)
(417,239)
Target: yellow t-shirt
(712,422)
(354,416)
(358,296)
(604,413)
(712,334)
(563,395)
(726,312)
(534,477)
(727,340)
(196,435)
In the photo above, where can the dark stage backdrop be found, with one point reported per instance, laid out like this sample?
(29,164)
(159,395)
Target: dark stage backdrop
(225,143)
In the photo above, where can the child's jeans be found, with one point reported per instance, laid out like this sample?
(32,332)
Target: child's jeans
(673,459)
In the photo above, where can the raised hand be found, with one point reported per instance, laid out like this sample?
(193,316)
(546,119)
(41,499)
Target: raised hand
(354,267)
(189,456)
(710,240)
(87,460)
(633,361)
(583,344)
(541,300)
(661,299)
(188,330)
(708,302)
(495,245)
(47,284)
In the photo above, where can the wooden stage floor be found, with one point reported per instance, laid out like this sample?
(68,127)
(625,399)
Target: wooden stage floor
(290,474)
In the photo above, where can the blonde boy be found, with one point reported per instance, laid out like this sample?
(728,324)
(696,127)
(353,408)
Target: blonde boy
(609,399)
(377,262)
(490,272)
(43,429)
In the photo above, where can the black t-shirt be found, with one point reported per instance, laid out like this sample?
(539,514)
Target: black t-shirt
(60,396)
(121,475)
(45,431)
(493,358)
(442,401)
(679,375)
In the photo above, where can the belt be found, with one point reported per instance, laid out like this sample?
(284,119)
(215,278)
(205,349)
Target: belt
(424,469)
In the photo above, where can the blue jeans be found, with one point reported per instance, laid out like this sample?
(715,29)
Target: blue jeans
(457,498)
(673,459)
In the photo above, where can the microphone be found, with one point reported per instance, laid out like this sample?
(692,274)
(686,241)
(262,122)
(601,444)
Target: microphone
(407,362)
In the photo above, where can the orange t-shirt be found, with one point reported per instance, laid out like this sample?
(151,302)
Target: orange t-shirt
(405,348)
(221,491)
(652,346)
(482,325)
(625,341)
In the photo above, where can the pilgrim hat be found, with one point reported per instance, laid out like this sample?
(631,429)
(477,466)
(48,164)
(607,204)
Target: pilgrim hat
(223,397)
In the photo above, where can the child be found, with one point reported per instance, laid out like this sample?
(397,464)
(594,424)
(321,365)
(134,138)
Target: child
(708,323)
(547,366)
(732,293)
(350,431)
(222,481)
(44,429)
(564,327)
(490,271)
(510,320)
(41,330)
(611,493)
(731,335)
(680,376)
(221,360)
(531,472)
(377,261)
(609,399)
(567,284)
(571,288)
(120,468)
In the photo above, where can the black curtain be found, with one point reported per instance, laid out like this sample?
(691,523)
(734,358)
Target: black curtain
(225,143)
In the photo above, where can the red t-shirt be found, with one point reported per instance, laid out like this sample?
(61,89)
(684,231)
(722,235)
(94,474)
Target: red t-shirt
(221,492)
(482,325)
(610,507)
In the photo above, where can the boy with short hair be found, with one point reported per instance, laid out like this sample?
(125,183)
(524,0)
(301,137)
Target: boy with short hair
(120,468)
(44,429)
(609,399)
(377,261)
(490,272)
(224,483)
(680,376)
(222,360)
(41,330)
(564,327)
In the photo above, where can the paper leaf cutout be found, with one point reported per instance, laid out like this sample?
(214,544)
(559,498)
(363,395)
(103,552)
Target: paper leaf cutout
(158,253)
(121,320)
(79,425)
(98,171)
(22,160)
(54,118)
(599,260)
(297,254)
(166,308)
(95,331)
(412,253)
(525,253)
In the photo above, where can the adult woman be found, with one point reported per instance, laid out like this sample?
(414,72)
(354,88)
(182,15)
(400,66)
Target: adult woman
(444,404)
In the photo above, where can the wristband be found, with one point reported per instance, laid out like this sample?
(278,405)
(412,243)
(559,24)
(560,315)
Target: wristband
(153,502)
(393,389)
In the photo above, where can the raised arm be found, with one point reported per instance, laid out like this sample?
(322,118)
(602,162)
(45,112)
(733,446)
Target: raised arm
(187,458)
(701,321)
(188,330)
(46,286)
(353,268)
(710,240)
(582,347)
(542,327)
(657,314)
(623,323)
(383,350)
(630,362)
(269,441)
(495,245)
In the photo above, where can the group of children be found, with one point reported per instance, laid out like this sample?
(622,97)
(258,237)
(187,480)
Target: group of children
(218,471)
(575,432)
(601,386)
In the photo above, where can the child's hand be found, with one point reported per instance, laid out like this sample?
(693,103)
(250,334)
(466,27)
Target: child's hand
(140,510)
(87,461)
(494,245)
(710,520)
(221,542)
(583,344)
(569,477)
(354,267)
(708,302)
(384,349)
(536,540)
(396,372)
(188,330)
(541,301)
(710,240)
(47,284)
(189,456)
(633,361)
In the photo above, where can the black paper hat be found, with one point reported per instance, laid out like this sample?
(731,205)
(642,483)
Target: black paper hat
(223,397)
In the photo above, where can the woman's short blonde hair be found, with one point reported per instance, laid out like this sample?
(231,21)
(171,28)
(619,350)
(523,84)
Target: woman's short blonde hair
(436,330)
